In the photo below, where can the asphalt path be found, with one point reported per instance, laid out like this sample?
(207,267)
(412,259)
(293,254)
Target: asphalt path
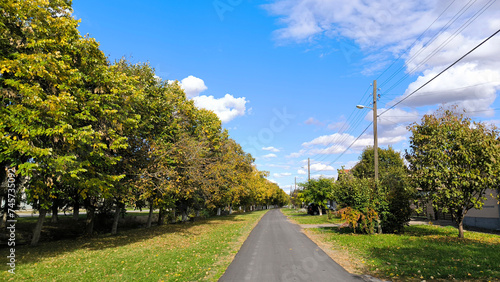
(276,250)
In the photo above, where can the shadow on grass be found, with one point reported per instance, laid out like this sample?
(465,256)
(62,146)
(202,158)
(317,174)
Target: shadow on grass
(439,258)
(300,215)
(27,254)
(425,252)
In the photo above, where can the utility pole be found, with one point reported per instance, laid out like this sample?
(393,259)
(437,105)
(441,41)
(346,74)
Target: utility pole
(375,134)
(308,169)
(375,144)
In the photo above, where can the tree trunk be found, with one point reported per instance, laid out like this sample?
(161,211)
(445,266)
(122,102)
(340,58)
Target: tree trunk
(150,216)
(76,211)
(116,218)
(218,211)
(174,219)
(461,229)
(55,209)
(5,211)
(38,228)
(244,208)
(4,216)
(460,222)
(90,220)
(230,209)
(184,216)
(161,214)
(184,213)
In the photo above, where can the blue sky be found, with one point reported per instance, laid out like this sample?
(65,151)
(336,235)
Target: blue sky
(285,76)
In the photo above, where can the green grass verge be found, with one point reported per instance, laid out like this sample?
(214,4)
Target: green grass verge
(304,218)
(180,252)
(423,252)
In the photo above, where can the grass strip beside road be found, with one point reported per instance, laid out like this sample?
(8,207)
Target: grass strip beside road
(179,252)
(301,217)
(423,253)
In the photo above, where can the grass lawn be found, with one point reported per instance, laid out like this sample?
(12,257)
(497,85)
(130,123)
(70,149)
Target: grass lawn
(304,218)
(423,253)
(200,250)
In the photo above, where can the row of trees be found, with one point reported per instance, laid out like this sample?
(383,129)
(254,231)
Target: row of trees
(452,162)
(83,132)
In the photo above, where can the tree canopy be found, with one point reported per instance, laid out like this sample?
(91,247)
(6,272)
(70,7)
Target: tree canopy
(394,196)
(83,131)
(454,160)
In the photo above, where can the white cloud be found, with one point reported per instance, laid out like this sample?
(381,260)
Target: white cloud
(193,86)
(368,22)
(301,172)
(338,143)
(395,116)
(297,154)
(278,166)
(313,121)
(329,139)
(272,149)
(332,150)
(321,167)
(340,125)
(385,29)
(467,85)
(269,156)
(279,175)
(227,108)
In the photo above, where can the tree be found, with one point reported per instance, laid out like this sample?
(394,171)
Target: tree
(38,83)
(455,160)
(317,191)
(356,201)
(63,109)
(394,192)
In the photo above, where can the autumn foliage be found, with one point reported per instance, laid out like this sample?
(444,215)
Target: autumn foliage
(86,132)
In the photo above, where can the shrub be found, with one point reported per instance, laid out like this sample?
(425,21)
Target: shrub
(364,221)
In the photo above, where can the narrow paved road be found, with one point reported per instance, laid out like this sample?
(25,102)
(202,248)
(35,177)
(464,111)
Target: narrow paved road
(276,250)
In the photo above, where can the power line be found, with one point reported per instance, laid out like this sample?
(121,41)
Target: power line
(415,42)
(358,117)
(439,74)
(349,147)
(348,127)
(429,42)
(443,44)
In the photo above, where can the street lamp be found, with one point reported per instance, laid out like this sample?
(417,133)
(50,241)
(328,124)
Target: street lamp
(375,134)
(362,107)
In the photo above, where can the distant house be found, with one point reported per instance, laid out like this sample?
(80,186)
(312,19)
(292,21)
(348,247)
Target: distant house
(488,217)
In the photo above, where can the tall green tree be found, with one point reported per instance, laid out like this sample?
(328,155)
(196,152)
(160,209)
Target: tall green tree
(395,194)
(455,160)
(63,109)
(317,191)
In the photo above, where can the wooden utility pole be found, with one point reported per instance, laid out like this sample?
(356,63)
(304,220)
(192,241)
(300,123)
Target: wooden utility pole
(375,134)
(308,169)
(375,144)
